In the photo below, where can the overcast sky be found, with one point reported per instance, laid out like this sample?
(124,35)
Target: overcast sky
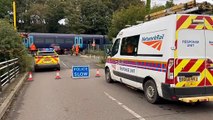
(162,2)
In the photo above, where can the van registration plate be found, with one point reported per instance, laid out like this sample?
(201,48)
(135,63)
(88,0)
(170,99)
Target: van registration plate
(188,79)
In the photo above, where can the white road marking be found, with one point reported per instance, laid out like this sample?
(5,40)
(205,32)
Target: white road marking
(125,107)
(64,64)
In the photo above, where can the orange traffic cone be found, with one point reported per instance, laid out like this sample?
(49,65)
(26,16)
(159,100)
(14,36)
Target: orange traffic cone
(57,75)
(97,73)
(30,77)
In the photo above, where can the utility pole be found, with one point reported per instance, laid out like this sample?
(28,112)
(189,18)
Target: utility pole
(14,15)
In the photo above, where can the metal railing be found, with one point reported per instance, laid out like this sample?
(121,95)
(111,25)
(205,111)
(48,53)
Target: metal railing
(8,71)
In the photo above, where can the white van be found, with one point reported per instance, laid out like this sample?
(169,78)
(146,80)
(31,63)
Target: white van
(170,57)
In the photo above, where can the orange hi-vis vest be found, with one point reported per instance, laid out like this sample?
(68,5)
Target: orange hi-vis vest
(77,48)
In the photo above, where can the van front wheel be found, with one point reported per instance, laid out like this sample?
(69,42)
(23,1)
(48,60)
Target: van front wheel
(108,76)
(151,92)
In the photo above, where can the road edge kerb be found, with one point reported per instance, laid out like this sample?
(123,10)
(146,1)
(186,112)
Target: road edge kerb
(5,105)
(101,65)
(85,56)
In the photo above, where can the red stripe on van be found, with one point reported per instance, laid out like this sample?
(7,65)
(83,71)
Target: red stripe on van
(202,83)
(180,21)
(192,26)
(208,83)
(202,67)
(189,65)
(209,20)
(200,17)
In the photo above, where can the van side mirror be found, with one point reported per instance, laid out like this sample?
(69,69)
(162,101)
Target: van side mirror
(108,52)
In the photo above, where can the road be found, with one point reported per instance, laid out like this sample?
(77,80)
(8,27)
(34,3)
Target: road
(93,99)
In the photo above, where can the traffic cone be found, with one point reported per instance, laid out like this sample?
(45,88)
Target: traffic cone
(97,73)
(30,77)
(57,75)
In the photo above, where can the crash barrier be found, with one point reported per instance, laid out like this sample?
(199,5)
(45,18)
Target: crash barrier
(9,70)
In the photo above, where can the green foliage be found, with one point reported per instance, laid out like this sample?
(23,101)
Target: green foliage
(123,4)
(73,15)
(124,17)
(148,6)
(95,17)
(88,16)
(5,6)
(169,4)
(82,16)
(11,45)
(55,12)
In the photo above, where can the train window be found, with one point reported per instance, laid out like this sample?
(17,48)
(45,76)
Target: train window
(39,40)
(25,40)
(97,41)
(85,42)
(69,41)
(80,40)
(59,40)
(49,40)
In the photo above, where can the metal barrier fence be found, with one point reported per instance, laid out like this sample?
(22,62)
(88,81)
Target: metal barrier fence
(8,71)
(98,47)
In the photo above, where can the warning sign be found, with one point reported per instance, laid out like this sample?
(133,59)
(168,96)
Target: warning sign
(80,71)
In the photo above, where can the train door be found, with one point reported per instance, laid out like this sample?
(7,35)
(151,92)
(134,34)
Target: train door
(76,41)
(25,42)
(30,41)
(80,39)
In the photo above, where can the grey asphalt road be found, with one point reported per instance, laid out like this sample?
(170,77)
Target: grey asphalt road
(93,99)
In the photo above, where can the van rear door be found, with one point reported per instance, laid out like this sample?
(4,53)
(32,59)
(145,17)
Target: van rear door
(190,63)
(209,61)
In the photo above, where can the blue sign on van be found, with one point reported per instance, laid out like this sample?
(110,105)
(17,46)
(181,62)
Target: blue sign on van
(80,72)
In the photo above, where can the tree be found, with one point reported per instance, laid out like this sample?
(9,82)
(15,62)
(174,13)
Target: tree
(89,17)
(148,6)
(169,4)
(11,45)
(82,16)
(56,12)
(95,16)
(32,15)
(124,17)
(5,8)
(123,4)
(73,17)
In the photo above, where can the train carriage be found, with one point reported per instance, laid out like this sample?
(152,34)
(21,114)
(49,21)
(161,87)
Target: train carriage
(65,41)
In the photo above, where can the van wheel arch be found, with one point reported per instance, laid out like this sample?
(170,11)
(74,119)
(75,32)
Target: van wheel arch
(146,79)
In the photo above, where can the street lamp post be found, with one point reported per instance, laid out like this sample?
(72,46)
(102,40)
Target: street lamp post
(14,15)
